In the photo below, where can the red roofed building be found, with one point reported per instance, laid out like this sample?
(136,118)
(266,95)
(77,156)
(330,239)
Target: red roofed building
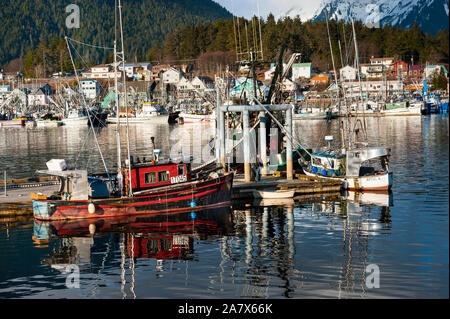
(399,70)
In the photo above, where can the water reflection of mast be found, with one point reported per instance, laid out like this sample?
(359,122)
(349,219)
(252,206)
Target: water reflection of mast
(122,265)
(132,266)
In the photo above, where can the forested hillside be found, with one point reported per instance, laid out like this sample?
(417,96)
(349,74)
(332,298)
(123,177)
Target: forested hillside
(27,23)
(311,40)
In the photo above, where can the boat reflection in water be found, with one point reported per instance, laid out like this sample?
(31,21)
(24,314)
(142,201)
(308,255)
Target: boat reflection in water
(288,242)
(161,237)
(265,250)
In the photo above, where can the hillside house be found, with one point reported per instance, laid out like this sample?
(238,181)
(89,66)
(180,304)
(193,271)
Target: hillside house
(301,70)
(321,78)
(347,73)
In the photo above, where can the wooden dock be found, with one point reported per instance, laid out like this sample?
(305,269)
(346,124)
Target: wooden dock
(18,201)
(302,184)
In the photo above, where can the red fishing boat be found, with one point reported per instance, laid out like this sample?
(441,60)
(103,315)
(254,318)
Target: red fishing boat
(156,188)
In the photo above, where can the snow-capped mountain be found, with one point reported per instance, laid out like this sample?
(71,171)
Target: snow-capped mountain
(431,15)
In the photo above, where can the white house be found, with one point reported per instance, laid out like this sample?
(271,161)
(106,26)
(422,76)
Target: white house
(387,62)
(184,85)
(5,90)
(373,71)
(301,70)
(373,88)
(90,88)
(38,97)
(131,69)
(102,71)
(347,73)
(202,83)
(171,76)
(430,70)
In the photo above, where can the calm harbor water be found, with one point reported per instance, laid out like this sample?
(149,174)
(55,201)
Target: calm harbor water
(317,247)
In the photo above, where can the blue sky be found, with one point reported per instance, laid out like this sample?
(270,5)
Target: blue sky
(248,8)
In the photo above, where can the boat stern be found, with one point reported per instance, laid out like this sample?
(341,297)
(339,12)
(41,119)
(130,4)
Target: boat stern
(41,210)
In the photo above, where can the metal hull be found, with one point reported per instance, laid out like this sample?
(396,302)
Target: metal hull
(174,199)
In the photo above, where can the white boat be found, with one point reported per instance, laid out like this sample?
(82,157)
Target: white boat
(276,194)
(274,202)
(76,118)
(48,123)
(402,108)
(197,118)
(159,119)
(314,114)
(370,198)
(350,169)
(148,114)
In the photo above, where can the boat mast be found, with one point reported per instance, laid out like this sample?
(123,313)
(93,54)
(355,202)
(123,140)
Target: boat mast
(359,77)
(116,93)
(130,191)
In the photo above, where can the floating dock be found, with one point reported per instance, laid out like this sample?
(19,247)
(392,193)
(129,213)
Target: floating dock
(302,184)
(16,201)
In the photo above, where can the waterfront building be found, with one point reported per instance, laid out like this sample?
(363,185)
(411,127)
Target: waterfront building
(373,88)
(90,88)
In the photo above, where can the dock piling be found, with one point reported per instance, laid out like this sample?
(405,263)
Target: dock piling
(263,142)
(289,164)
(4,185)
(246,124)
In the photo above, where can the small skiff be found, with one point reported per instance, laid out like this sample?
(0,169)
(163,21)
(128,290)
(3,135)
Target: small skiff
(273,194)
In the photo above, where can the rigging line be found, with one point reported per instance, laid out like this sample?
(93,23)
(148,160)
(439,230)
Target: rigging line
(89,45)
(82,59)
(89,117)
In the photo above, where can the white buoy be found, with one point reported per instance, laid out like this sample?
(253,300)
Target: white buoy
(91,229)
(91,208)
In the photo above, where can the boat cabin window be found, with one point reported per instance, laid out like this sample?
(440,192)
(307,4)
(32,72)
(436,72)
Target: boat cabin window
(317,161)
(150,178)
(181,170)
(163,176)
